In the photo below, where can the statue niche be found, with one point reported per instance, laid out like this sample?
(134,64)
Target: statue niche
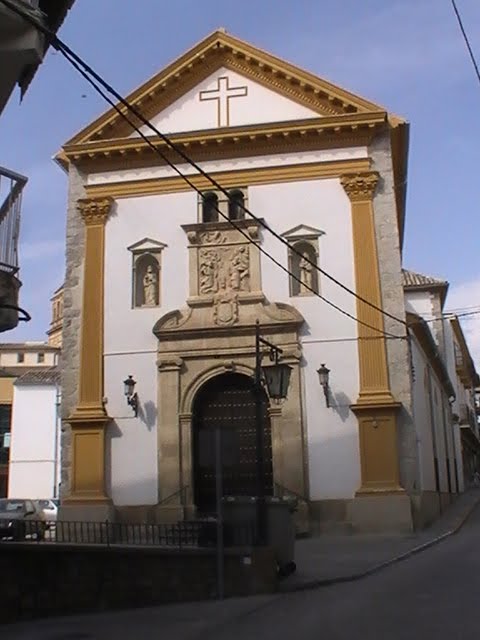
(302,261)
(146,281)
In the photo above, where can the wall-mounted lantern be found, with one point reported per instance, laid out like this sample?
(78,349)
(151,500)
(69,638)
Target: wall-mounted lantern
(323,374)
(129,390)
(277,380)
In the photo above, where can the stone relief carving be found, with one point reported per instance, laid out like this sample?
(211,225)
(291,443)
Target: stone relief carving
(224,269)
(212,237)
(225,308)
(224,272)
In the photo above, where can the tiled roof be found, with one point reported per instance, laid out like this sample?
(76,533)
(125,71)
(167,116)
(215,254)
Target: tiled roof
(26,346)
(413,279)
(50,376)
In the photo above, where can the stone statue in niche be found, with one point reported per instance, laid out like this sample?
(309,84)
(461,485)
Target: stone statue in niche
(150,285)
(306,275)
(225,269)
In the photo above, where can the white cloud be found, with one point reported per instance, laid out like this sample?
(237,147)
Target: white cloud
(465,297)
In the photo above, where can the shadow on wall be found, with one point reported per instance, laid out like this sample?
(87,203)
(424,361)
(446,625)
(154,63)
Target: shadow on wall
(148,414)
(340,403)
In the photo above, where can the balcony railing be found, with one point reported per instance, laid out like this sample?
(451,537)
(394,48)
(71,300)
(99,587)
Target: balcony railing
(11,188)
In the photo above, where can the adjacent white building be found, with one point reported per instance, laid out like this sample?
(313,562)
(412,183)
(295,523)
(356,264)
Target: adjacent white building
(35,446)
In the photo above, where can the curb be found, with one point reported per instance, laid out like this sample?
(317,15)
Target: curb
(325,582)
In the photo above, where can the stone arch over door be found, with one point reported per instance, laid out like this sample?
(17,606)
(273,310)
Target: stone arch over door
(215,335)
(227,402)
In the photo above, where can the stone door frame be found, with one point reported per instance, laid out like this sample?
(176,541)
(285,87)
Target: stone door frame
(189,355)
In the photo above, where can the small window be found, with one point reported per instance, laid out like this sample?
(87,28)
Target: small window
(40,358)
(210,207)
(20,357)
(236,203)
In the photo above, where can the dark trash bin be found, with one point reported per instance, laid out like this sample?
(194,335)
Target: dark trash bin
(240,512)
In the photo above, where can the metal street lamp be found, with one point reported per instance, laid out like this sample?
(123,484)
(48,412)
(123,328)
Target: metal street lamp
(323,374)
(276,378)
(129,391)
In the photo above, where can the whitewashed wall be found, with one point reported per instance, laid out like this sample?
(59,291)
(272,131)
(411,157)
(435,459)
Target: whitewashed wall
(130,346)
(9,358)
(33,471)
(332,432)
(446,436)
(422,418)
(419,302)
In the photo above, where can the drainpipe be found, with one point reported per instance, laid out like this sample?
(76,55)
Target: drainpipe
(58,400)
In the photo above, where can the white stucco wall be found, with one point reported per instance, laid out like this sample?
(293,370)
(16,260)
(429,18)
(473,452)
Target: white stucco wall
(332,432)
(446,434)
(419,302)
(422,418)
(259,105)
(33,471)
(130,346)
(9,357)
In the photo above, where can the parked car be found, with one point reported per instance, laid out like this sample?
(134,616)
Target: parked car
(49,508)
(21,519)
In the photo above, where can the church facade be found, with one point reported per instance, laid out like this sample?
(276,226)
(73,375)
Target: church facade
(166,284)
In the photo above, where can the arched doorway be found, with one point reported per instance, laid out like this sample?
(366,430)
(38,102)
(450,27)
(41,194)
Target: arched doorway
(228,401)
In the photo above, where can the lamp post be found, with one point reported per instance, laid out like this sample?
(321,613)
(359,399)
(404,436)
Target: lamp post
(276,378)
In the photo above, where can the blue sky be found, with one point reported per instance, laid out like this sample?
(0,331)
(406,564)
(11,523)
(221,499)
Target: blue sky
(407,55)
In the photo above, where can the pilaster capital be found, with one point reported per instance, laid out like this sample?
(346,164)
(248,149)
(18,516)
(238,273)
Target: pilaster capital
(94,211)
(360,186)
(171,363)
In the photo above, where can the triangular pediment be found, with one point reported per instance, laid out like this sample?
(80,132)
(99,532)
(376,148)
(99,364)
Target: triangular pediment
(147,244)
(242,66)
(303,231)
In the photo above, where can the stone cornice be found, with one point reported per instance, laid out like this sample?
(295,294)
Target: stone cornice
(313,133)
(95,211)
(360,186)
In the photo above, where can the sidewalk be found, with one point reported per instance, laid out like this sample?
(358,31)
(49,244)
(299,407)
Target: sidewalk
(323,560)
(327,559)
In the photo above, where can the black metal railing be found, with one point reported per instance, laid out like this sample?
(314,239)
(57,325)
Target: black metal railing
(11,187)
(182,535)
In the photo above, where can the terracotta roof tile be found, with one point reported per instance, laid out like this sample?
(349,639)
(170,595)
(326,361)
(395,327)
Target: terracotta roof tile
(49,376)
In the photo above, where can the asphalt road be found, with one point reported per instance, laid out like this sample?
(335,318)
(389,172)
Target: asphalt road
(434,594)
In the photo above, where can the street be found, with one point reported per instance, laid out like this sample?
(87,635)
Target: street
(431,595)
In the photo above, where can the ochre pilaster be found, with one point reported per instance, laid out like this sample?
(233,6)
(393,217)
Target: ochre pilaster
(89,418)
(376,407)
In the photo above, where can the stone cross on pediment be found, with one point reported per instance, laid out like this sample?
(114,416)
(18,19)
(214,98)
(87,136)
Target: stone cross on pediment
(222,95)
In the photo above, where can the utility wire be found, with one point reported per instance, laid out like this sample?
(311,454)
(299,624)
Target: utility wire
(64,49)
(467,41)
(232,222)
(445,316)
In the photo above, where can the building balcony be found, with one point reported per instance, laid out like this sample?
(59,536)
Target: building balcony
(11,188)
(22,47)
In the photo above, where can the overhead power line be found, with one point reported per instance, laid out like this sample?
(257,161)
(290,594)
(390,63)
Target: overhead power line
(85,69)
(467,41)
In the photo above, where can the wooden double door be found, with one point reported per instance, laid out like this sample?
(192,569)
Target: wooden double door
(227,402)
